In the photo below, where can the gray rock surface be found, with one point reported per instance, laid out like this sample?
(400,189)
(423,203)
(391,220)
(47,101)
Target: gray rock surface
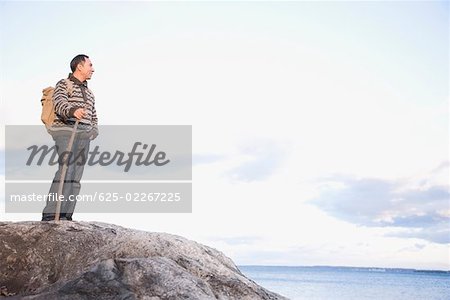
(91,260)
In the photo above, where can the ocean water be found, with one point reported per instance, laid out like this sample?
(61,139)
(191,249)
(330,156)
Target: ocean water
(347,283)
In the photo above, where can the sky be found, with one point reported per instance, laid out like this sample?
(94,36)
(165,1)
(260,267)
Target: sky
(320,129)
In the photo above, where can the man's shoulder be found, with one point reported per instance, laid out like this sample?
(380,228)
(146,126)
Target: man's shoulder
(63,82)
(66,83)
(65,86)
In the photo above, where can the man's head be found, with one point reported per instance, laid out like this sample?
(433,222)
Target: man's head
(81,67)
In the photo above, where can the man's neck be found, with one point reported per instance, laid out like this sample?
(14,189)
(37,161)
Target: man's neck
(79,77)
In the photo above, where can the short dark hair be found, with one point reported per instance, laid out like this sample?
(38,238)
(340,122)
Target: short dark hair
(80,58)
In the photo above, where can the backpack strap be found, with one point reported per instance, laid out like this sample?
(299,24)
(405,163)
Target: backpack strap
(69,85)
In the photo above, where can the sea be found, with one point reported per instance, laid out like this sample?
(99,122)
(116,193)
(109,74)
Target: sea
(347,283)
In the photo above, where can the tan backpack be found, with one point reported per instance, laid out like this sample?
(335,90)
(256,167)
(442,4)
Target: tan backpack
(48,110)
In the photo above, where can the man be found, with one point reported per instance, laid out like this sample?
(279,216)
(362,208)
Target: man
(73,100)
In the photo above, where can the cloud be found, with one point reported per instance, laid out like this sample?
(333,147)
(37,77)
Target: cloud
(263,158)
(238,240)
(423,211)
(439,233)
(198,159)
(442,167)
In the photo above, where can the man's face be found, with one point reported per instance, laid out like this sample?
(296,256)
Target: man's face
(86,68)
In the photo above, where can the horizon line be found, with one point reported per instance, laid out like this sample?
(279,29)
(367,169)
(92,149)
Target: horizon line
(351,267)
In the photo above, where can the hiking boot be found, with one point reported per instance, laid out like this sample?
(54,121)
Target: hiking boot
(51,217)
(48,217)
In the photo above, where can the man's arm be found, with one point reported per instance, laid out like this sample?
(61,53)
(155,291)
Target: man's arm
(94,119)
(63,108)
(94,122)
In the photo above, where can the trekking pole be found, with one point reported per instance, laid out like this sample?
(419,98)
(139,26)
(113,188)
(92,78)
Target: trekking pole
(64,170)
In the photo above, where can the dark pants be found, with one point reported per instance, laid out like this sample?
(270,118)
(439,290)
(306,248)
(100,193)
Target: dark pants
(72,186)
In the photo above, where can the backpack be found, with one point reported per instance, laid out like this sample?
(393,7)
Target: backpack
(48,110)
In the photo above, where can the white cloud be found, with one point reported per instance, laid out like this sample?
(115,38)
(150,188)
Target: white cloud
(400,203)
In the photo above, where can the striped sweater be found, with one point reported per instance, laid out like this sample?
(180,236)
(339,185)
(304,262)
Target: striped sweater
(65,106)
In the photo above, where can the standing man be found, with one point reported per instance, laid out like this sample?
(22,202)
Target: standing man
(73,101)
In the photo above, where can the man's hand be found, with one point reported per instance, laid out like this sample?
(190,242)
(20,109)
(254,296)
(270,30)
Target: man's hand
(80,113)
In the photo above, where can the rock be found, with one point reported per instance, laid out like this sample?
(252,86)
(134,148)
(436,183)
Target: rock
(91,260)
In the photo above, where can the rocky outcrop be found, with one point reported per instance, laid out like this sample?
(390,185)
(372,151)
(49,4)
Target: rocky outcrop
(90,260)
